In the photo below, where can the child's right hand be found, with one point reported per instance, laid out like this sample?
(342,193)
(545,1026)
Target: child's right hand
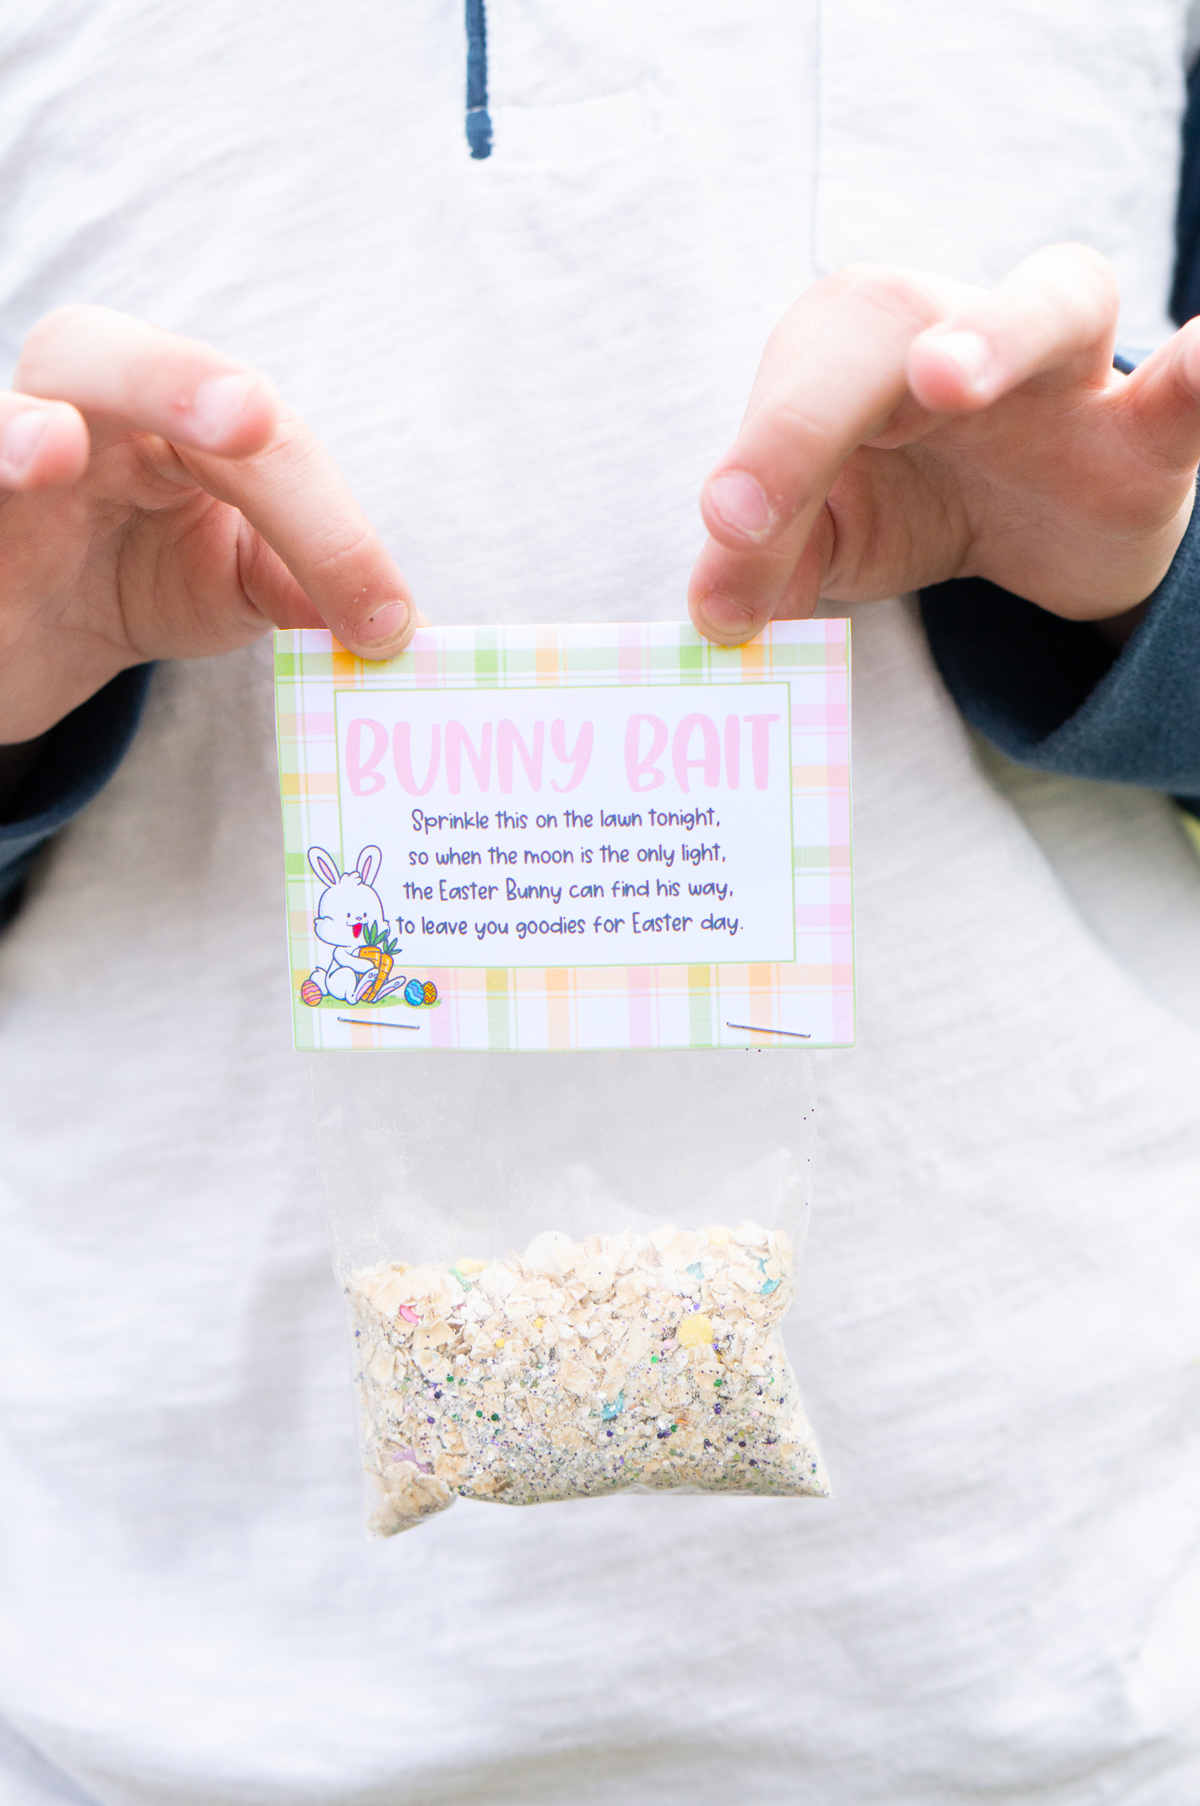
(158,501)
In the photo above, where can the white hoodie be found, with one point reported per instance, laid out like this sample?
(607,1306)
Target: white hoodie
(526,366)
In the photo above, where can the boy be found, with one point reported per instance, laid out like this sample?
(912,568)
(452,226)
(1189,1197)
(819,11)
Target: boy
(526,363)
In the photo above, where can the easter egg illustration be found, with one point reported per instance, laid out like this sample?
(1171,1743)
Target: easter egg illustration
(430,991)
(414,993)
(310,993)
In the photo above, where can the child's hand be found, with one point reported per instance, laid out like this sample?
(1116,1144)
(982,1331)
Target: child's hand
(904,429)
(158,501)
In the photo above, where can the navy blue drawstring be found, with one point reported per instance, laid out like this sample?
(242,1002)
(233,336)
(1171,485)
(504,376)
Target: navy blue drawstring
(479,120)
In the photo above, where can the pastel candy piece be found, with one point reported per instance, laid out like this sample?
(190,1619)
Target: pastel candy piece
(411,1455)
(310,993)
(414,993)
(694,1330)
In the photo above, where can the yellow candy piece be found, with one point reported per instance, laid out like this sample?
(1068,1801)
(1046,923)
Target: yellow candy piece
(694,1330)
(717,1235)
(470,1266)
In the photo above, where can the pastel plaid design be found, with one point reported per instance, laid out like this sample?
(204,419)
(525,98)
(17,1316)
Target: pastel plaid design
(564,1007)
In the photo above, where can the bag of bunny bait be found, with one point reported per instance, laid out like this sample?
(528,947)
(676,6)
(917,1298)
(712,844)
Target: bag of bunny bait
(592,886)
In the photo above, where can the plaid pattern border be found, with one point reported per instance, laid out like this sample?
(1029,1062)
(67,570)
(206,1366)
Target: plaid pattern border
(667,1006)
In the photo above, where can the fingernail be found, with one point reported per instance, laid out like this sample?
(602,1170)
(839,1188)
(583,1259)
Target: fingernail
(741,502)
(970,352)
(387,623)
(218,404)
(21,438)
(726,618)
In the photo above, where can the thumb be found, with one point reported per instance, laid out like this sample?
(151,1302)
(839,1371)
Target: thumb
(1159,405)
(330,558)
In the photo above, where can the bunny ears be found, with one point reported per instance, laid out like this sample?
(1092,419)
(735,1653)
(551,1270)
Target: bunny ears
(369,861)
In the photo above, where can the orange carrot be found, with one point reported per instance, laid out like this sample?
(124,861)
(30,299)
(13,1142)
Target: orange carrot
(377,946)
(382,963)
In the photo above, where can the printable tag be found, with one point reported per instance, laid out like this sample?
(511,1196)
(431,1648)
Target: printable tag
(523,838)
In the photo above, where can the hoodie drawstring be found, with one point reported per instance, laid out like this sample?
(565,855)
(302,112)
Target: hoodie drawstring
(479,121)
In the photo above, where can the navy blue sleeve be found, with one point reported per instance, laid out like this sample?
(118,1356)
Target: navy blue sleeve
(1185,292)
(76,760)
(1054,693)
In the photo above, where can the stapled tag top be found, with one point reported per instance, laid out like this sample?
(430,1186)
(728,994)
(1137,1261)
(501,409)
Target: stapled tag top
(531,838)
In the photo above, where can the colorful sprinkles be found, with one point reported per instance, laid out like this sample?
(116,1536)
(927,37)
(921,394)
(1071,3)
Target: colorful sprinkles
(579,1368)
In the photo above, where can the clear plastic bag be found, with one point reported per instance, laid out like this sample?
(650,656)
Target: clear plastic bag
(567,1273)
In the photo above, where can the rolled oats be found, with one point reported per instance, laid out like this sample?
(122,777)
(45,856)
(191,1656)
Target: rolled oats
(580,1368)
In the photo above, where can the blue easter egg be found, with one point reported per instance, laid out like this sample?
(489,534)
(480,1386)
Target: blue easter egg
(414,993)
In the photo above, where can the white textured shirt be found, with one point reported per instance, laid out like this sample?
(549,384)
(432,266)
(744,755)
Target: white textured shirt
(526,365)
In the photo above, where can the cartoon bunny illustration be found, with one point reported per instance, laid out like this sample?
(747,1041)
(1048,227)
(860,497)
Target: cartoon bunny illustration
(351,921)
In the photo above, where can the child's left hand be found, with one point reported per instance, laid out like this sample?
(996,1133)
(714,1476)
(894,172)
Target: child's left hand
(905,429)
